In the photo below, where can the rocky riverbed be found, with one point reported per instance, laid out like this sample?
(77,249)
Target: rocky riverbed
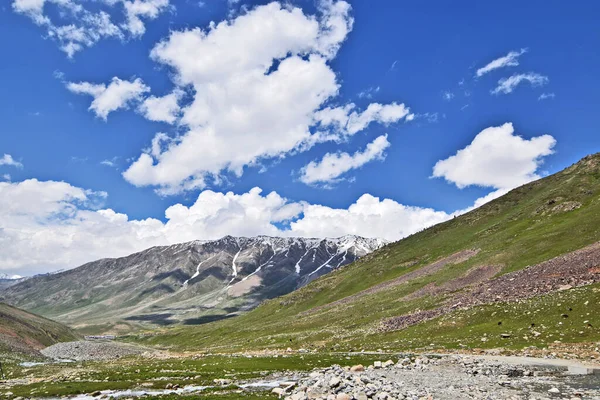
(453,377)
(401,377)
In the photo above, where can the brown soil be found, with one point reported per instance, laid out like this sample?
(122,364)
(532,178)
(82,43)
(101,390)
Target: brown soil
(474,276)
(575,269)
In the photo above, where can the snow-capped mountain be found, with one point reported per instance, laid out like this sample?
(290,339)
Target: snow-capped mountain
(8,277)
(189,282)
(7,280)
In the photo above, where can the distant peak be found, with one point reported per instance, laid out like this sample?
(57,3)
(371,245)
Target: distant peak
(10,277)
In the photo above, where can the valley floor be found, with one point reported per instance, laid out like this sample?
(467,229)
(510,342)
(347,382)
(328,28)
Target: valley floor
(300,375)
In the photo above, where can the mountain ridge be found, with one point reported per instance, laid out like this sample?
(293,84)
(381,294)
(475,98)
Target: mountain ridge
(448,286)
(192,282)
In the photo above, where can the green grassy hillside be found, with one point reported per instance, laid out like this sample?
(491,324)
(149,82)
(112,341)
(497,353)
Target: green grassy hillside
(22,334)
(347,308)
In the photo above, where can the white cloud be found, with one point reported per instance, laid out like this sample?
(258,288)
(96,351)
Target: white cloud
(509,60)
(50,225)
(46,226)
(545,96)
(507,85)
(448,96)
(162,109)
(348,121)
(6,177)
(431,117)
(258,82)
(75,27)
(368,93)
(118,94)
(375,112)
(136,9)
(113,162)
(334,165)
(7,159)
(496,158)
(368,216)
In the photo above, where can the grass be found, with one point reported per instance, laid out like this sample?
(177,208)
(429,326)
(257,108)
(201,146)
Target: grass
(570,316)
(87,377)
(528,225)
(22,333)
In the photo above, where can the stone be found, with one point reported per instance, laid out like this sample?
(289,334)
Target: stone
(278,391)
(357,368)
(301,396)
(335,382)
(581,370)
(554,391)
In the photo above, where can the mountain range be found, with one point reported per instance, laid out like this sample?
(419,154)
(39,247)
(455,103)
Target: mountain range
(188,283)
(520,272)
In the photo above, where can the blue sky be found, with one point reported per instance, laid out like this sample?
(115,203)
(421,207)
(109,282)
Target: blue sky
(416,61)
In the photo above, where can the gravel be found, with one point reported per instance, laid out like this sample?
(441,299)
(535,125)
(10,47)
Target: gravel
(575,269)
(454,377)
(88,350)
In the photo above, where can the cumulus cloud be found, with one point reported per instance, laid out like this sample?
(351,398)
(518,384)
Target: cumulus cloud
(137,9)
(496,158)
(51,225)
(347,121)
(257,82)
(8,160)
(162,109)
(334,165)
(75,27)
(509,60)
(507,85)
(118,94)
(369,216)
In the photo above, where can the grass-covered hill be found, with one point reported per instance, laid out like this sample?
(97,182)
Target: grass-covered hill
(519,271)
(22,334)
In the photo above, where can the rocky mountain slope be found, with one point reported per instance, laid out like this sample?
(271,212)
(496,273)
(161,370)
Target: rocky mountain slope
(520,271)
(23,334)
(191,282)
